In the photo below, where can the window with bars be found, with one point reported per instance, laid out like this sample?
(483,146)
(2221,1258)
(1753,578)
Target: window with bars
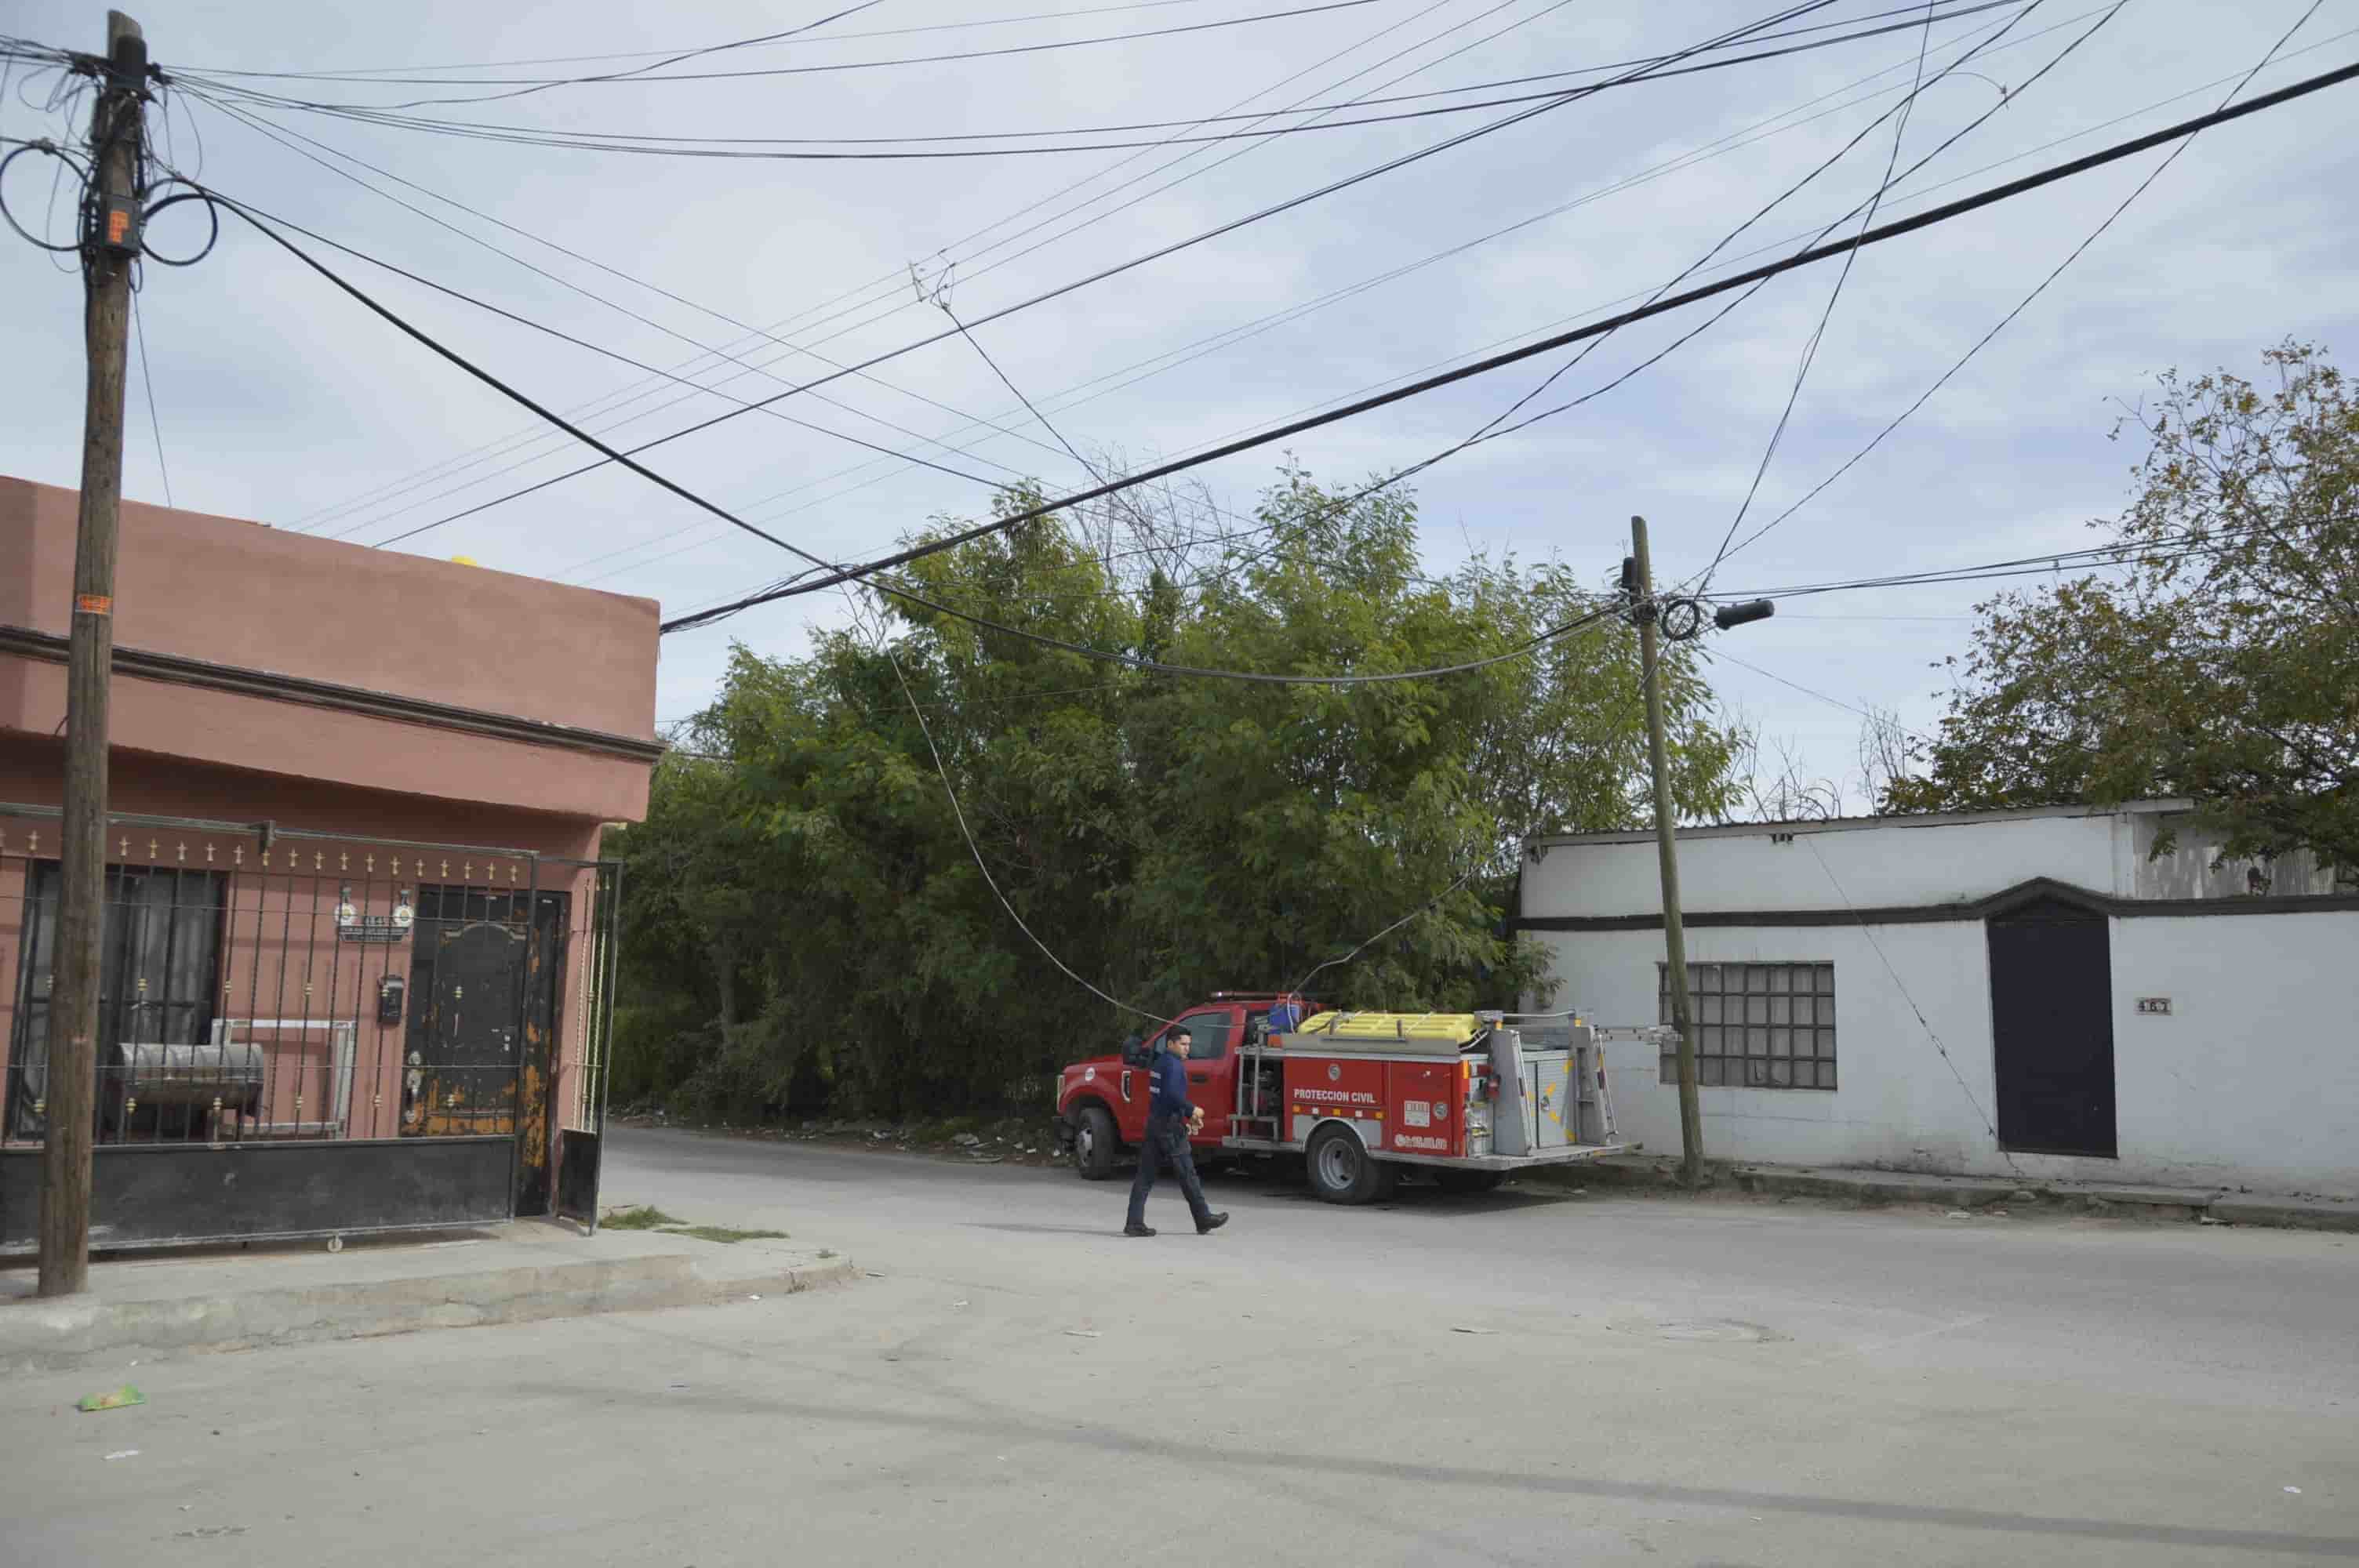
(160,964)
(1763,1026)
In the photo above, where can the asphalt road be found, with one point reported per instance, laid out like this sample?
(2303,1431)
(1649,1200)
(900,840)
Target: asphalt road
(1517,1379)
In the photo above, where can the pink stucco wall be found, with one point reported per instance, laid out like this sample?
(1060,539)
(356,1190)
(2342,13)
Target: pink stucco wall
(255,597)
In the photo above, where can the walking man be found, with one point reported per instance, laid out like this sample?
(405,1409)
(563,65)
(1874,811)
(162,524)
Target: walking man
(1169,1120)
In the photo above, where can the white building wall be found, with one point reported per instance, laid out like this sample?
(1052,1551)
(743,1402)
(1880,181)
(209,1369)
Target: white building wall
(2252,1080)
(1897,1106)
(1880,864)
(2253,1077)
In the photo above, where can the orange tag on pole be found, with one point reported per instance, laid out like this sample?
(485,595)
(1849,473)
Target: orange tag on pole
(94,604)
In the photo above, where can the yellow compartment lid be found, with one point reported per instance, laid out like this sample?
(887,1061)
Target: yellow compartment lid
(1452,1028)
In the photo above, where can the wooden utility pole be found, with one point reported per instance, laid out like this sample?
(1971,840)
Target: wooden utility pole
(1675,942)
(109,244)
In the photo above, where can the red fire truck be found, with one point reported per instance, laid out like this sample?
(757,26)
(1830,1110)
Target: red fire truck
(1470,1098)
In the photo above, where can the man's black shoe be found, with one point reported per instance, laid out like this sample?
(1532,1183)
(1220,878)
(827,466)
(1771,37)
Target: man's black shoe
(1142,1230)
(1212,1222)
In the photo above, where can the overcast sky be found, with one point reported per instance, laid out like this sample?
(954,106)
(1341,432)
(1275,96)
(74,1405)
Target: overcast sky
(282,401)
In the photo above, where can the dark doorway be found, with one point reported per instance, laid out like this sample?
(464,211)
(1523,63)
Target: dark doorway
(2052,1029)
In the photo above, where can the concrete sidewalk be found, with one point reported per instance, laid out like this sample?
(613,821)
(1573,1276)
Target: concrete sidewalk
(154,1306)
(2200,1204)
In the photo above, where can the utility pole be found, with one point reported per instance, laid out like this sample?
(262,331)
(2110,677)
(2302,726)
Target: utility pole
(110,243)
(1674,941)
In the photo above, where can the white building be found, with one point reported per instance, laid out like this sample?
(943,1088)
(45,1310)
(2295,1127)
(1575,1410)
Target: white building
(1952,993)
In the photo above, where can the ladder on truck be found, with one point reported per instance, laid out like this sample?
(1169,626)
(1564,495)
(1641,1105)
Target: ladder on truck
(1592,1092)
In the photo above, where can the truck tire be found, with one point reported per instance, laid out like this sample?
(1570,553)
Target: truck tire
(1471,1181)
(1095,1143)
(1340,1170)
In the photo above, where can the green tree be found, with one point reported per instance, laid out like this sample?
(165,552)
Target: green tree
(2223,665)
(1161,835)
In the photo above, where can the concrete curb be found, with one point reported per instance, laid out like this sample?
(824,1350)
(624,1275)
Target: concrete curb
(1874,1188)
(41,1335)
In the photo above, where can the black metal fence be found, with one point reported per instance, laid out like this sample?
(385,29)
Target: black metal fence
(415,1031)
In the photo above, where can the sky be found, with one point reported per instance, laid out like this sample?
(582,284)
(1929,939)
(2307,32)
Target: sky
(276,398)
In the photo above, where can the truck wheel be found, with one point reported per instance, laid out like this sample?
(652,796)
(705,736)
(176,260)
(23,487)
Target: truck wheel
(1095,1143)
(1472,1181)
(1340,1171)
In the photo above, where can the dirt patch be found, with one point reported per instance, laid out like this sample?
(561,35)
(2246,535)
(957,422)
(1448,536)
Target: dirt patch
(1007,1141)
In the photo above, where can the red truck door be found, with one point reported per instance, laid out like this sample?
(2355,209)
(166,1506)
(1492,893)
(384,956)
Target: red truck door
(1212,1066)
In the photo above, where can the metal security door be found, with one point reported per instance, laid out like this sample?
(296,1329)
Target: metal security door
(462,1068)
(2052,1030)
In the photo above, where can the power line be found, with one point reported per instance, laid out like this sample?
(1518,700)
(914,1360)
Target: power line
(147,379)
(2022,305)
(1834,294)
(372,73)
(976,849)
(1131,661)
(1103,274)
(1232,336)
(1492,428)
(269,127)
(797,149)
(640,75)
(893,278)
(2194,545)
(614,402)
(1893,229)
(1898,985)
(1218,163)
(250,212)
(601,299)
(1958,8)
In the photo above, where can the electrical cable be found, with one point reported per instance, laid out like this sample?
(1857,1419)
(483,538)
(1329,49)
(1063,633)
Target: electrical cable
(2190,546)
(527,88)
(1087,466)
(2021,306)
(417,335)
(1226,567)
(1957,8)
(781,148)
(1158,364)
(1834,294)
(372,73)
(272,129)
(147,379)
(251,212)
(976,849)
(1881,233)
(638,77)
(615,305)
(1901,986)
(1492,426)
(892,279)
(1103,274)
(1468,876)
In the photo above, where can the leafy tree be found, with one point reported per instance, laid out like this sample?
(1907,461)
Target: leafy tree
(805,883)
(2222,666)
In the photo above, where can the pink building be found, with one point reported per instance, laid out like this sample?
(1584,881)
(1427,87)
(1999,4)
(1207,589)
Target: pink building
(359,937)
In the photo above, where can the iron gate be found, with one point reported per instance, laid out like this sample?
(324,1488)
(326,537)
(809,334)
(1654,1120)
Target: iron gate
(308,1034)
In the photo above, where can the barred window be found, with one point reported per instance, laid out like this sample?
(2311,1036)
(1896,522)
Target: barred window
(1764,1026)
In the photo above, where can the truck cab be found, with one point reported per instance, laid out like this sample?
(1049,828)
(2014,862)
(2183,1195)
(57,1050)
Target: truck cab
(1102,1101)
